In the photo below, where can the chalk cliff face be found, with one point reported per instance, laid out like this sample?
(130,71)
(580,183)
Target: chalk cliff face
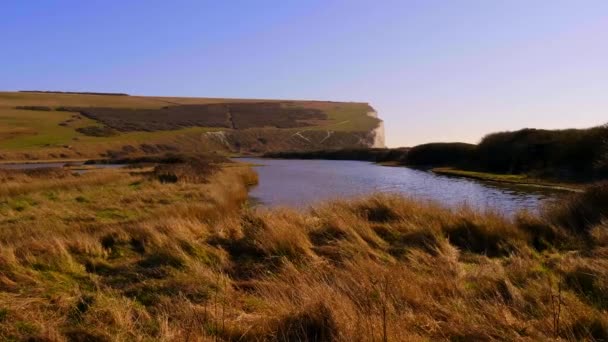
(378,132)
(361,129)
(254,141)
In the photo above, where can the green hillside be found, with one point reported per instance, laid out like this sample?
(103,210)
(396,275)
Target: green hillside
(51,125)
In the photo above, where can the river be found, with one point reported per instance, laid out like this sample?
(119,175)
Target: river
(301,183)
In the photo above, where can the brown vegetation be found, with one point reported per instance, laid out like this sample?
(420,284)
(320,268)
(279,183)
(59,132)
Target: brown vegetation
(135,258)
(227,115)
(41,108)
(271,114)
(96,131)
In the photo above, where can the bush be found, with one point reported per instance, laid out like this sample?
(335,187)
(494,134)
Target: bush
(96,131)
(440,154)
(568,154)
(194,169)
(366,154)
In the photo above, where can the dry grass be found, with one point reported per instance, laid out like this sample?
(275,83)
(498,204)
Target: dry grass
(16,182)
(136,259)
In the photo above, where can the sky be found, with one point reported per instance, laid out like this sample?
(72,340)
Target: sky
(450,70)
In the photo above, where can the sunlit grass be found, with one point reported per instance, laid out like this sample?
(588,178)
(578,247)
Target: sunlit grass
(118,255)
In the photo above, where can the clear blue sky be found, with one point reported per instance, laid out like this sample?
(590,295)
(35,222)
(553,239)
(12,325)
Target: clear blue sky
(435,70)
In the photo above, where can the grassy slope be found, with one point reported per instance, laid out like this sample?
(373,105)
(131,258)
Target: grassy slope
(24,129)
(38,132)
(507,178)
(112,255)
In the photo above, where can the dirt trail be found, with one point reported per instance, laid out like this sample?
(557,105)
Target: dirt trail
(299,134)
(329,133)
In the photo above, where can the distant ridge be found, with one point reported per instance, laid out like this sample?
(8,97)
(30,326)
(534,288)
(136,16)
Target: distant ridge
(72,92)
(47,125)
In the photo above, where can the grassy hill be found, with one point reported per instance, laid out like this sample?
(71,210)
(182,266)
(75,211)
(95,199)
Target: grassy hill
(54,125)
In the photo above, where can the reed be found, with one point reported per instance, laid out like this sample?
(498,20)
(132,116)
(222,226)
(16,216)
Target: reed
(129,257)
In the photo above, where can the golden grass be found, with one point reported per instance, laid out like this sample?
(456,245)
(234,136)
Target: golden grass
(131,258)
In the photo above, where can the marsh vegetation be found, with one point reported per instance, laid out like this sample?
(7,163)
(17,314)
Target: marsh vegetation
(121,254)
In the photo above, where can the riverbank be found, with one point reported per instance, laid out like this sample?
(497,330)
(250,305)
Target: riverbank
(522,180)
(172,253)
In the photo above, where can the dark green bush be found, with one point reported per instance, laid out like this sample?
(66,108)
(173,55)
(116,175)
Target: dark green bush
(365,154)
(96,131)
(440,154)
(564,154)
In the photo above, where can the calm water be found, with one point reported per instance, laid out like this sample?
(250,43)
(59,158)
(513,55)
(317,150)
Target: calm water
(301,183)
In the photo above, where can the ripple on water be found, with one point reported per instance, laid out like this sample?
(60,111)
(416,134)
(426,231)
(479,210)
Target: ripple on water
(300,183)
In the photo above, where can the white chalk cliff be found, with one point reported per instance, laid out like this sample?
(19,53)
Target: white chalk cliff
(378,132)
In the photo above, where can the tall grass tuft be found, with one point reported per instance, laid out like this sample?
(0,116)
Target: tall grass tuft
(583,211)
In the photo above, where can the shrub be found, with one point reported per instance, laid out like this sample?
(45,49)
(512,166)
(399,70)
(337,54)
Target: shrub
(440,154)
(571,153)
(366,154)
(96,131)
(193,169)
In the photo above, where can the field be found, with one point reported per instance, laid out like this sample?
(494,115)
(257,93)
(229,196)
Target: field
(173,252)
(79,126)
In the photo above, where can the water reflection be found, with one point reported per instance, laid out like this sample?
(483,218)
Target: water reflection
(300,183)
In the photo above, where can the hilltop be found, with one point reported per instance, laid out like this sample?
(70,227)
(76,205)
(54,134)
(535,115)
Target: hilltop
(42,125)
